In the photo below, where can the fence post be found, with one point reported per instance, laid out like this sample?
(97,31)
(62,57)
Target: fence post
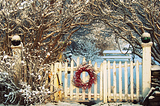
(16,46)
(146,67)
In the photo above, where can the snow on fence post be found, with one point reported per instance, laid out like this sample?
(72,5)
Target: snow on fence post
(146,65)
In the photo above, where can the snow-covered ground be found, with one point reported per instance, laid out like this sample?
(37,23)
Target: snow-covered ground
(98,104)
(80,104)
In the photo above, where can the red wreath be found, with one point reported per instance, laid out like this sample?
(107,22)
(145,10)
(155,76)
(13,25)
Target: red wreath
(77,81)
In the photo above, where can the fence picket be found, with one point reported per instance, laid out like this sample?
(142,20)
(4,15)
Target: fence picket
(65,80)
(55,80)
(131,79)
(60,78)
(101,84)
(126,81)
(83,76)
(77,89)
(51,81)
(71,76)
(104,82)
(120,81)
(89,90)
(109,81)
(60,72)
(137,80)
(114,81)
(95,85)
(46,82)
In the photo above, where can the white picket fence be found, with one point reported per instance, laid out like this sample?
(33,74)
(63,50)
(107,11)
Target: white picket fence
(115,81)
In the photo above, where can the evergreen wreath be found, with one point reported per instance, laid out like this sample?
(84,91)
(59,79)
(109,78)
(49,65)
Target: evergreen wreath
(77,81)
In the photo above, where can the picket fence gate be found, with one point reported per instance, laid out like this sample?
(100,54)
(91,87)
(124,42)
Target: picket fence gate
(109,85)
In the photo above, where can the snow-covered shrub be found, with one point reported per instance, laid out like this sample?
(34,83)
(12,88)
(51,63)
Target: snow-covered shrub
(8,89)
(33,84)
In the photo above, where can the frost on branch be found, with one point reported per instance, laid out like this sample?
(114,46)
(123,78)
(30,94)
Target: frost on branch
(87,49)
(45,26)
